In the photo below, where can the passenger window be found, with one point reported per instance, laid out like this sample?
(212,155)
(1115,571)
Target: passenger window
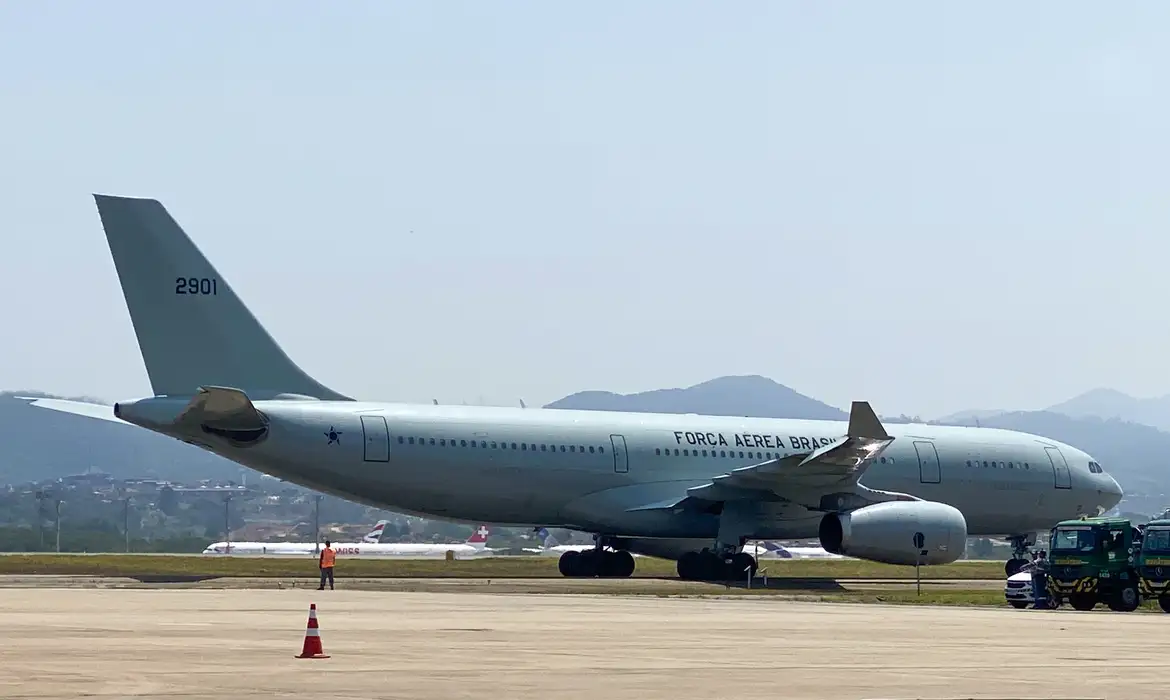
(432,442)
(524,446)
(722,453)
(543,448)
(410,440)
(580,448)
(601,450)
(591,449)
(562,448)
(984,464)
(494,445)
(463,443)
(442,442)
(1011,465)
(658,450)
(401,440)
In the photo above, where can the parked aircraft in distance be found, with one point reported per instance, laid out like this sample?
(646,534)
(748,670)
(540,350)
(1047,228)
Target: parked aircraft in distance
(475,546)
(283,548)
(550,547)
(775,550)
(690,487)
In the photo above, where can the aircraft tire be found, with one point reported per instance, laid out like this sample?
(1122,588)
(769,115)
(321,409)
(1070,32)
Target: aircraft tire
(689,566)
(739,565)
(1164,603)
(569,564)
(621,564)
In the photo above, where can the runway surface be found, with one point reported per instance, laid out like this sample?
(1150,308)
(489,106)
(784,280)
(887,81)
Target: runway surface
(229,644)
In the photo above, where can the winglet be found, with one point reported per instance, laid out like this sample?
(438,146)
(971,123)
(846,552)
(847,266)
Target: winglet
(864,423)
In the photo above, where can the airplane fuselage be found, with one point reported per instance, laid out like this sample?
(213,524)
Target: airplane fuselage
(594,470)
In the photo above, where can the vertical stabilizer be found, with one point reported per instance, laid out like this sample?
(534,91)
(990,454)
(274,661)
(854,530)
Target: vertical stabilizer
(192,329)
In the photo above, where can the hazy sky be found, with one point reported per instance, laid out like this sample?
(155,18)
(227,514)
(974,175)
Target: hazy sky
(927,205)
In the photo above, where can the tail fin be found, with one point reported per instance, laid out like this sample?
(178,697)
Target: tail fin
(479,537)
(778,550)
(375,535)
(192,329)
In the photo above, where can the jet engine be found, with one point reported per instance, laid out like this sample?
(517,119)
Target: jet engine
(897,532)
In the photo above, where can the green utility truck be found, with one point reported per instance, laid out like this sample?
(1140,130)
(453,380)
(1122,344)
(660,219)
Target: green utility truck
(1094,560)
(1154,563)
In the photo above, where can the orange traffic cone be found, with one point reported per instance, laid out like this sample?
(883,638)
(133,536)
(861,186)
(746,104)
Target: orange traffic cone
(312,648)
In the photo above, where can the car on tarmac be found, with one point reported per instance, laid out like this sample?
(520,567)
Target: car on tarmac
(1018,590)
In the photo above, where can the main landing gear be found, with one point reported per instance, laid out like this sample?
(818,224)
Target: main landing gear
(710,566)
(590,563)
(1021,551)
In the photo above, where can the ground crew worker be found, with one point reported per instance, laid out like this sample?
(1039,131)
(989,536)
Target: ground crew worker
(1040,582)
(328,557)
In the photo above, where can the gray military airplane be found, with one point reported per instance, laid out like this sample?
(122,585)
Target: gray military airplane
(688,487)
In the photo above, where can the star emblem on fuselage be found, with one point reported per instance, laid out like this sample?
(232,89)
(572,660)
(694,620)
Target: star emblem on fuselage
(333,435)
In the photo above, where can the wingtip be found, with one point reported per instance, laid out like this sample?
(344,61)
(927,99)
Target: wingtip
(864,422)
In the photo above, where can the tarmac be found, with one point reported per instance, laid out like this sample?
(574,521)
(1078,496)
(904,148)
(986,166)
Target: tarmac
(227,644)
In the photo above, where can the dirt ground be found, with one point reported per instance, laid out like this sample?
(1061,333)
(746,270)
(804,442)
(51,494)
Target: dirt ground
(227,644)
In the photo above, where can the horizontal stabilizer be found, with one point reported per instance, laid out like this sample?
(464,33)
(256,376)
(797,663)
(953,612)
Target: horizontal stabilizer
(77,408)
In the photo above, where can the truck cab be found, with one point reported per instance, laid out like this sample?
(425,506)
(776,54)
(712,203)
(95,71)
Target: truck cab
(1154,563)
(1094,560)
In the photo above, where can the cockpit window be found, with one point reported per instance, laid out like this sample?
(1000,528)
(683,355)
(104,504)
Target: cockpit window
(1096,468)
(1157,540)
(1073,540)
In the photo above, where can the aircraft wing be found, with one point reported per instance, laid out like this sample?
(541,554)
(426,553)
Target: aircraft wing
(77,408)
(824,479)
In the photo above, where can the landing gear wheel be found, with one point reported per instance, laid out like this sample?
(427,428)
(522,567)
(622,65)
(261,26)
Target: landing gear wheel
(740,564)
(1013,566)
(568,564)
(621,564)
(1164,603)
(1018,604)
(1083,602)
(689,566)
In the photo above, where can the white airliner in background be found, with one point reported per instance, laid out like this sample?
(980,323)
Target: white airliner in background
(775,550)
(291,548)
(693,488)
(475,546)
(551,548)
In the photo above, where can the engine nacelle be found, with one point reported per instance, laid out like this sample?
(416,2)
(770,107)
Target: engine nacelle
(897,532)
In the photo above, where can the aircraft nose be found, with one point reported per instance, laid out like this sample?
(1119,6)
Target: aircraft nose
(1112,489)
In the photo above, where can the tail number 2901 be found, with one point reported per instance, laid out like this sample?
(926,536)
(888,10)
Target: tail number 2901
(196,285)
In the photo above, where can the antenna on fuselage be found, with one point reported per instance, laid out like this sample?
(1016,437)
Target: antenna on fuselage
(522,404)
(436,401)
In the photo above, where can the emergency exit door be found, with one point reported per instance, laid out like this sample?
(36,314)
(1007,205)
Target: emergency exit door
(377,439)
(1059,468)
(621,460)
(929,471)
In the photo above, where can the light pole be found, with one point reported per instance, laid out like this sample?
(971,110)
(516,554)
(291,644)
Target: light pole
(317,523)
(58,503)
(41,496)
(126,520)
(227,523)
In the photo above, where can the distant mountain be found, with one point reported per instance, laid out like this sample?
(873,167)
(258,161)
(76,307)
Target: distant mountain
(1135,454)
(37,444)
(1110,403)
(725,396)
(970,417)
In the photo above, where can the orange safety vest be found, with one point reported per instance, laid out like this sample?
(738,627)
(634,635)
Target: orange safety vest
(327,557)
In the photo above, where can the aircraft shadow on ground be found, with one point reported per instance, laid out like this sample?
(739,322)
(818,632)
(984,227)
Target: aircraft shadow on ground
(789,583)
